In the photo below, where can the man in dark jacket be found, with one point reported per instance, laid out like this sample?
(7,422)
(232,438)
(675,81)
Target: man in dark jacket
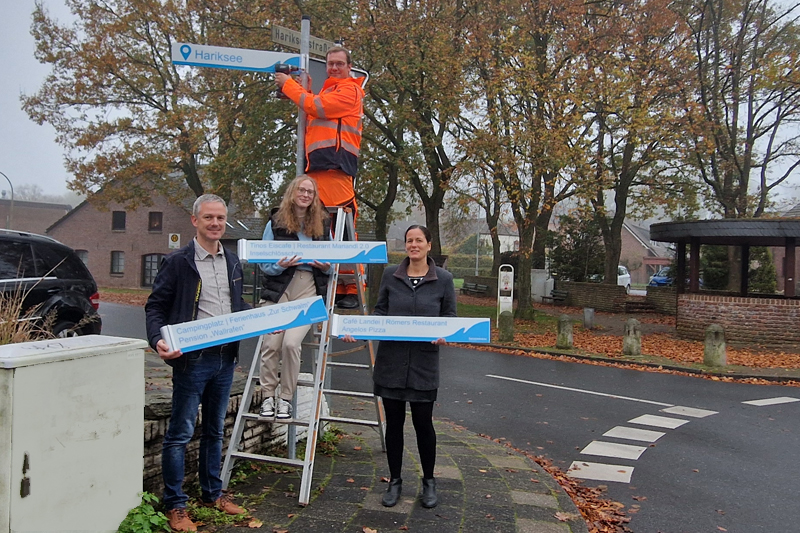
(198,281)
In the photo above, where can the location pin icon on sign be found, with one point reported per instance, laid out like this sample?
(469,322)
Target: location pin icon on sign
(185,51)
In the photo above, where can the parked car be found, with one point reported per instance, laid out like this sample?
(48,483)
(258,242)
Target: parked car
(661,278)
(623,278)
(53,281)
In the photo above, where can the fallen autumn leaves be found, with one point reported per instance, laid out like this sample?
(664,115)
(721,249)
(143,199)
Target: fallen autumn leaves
(600,514)
(663,345)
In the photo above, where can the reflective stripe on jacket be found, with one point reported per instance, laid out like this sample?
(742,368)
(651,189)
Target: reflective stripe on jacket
(333,133)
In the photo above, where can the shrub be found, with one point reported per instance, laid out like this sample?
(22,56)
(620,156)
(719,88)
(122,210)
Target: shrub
(144,518)
(16,324)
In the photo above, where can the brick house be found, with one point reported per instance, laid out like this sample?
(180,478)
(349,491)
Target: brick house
(33,217)
(123,247)
(640,255)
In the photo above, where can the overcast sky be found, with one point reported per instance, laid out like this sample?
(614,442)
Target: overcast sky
(28,152)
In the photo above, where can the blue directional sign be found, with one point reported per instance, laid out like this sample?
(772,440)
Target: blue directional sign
(200,55)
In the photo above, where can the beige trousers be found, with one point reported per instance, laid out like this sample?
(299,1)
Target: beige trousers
(284,348)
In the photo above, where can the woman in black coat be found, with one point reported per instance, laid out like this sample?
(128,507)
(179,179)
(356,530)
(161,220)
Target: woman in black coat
(407,371)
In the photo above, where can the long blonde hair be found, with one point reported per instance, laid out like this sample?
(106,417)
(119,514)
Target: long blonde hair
(286,217)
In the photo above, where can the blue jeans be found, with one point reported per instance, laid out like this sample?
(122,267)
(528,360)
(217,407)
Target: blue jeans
(204,379)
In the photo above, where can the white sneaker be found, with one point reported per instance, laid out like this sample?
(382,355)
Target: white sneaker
(268,407)
(284,409)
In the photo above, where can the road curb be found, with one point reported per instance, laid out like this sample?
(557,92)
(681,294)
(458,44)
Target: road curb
(620,362)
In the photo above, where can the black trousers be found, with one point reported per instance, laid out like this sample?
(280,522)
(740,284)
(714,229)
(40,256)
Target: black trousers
(422,418)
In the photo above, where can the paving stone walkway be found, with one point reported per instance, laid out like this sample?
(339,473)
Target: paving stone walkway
(483,486)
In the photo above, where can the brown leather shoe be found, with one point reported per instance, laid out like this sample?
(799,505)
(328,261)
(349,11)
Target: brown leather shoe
(225,505)
(179,520)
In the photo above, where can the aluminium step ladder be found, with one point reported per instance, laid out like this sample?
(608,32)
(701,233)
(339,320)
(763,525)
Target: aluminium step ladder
(321,377)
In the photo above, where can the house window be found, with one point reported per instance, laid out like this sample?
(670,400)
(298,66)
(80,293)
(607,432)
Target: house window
(83,255)
(150,265)
(154,221)
(118,220)
(118,263)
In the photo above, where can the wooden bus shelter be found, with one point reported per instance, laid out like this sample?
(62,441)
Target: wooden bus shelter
(742,233)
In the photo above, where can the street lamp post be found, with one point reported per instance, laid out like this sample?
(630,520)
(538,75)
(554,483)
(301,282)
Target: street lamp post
(10,218)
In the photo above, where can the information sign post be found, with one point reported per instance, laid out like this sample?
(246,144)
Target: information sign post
(200,55)
(505,290)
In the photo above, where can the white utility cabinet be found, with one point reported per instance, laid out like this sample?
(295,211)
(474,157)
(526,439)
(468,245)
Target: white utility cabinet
(71,433)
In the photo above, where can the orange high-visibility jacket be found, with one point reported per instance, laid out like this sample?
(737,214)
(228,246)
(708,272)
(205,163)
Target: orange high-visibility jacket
(333,133)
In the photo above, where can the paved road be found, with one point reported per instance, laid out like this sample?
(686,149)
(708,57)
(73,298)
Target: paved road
(721,463)
(727,464)
(724,468)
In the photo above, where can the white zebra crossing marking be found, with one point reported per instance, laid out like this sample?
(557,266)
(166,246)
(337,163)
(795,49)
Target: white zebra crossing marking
(658,421)
(772,401)
(613,449)
(688,411)
(644,435)
(600,472)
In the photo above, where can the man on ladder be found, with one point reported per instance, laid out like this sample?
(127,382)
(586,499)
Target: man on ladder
(333,141)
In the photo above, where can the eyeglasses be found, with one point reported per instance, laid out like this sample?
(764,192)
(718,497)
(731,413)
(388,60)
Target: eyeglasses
(305,192)
(337,64)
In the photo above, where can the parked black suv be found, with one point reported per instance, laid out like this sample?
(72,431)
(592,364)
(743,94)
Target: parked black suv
(51,276)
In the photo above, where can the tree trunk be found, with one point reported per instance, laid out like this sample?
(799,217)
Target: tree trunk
(524,303)
(734,269)
(495,251)
(382,212)
(432,223)
(539,258)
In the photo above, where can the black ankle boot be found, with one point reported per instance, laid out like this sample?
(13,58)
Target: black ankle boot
(428,497)
(393,492)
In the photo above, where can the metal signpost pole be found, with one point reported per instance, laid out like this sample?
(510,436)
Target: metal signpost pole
(302,119)
(300,166)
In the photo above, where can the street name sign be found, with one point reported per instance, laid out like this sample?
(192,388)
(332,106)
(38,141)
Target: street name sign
(291,39)
(200,55)
(369,252)
(207,332)
(412,328)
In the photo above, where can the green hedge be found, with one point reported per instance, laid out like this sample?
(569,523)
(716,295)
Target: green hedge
(459,265)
